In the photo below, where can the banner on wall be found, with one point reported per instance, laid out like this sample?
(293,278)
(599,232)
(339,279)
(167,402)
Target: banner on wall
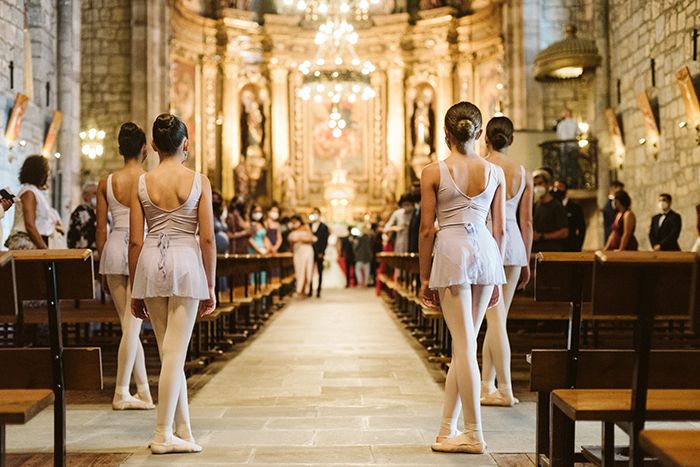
(52,134)
(14,123)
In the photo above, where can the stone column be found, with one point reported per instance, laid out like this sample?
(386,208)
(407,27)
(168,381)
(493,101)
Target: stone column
(68,73)
(279,123)
(209,76)
(444,101)
(395,123)
(231,130)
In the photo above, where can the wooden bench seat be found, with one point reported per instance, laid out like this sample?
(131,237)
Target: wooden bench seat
(615,405)
(673,448)
(18,406)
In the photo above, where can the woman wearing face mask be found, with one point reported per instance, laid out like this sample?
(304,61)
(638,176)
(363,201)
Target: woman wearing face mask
(172,271)
(273,228)
(622,234)
(302,240)
(258,243)
(114,196)
(83,221)
(33,223)
(461,192)
(518,242)
(399,221)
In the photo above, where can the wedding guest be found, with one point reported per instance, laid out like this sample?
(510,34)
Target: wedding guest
(273,228)
(609,211)
(238,227)
(83,220)
(302,239)
(665,226)
(322,233)
(33,222)
(549,221)
(622,231)
(574,215)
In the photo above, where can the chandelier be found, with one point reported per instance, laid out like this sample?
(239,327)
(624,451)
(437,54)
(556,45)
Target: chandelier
(336,74)
(92,142)
(316,10)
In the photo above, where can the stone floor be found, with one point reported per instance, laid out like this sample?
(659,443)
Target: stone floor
(329,382)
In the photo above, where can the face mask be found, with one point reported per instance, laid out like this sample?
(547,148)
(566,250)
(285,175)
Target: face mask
(663,206)
(313,217)
(257,216)
(93,202)
(611,197)
(539,191)
(274,215)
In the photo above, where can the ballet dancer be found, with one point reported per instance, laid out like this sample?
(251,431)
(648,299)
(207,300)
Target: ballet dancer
(114,196)
(172,274)
(518,243)
(461,192)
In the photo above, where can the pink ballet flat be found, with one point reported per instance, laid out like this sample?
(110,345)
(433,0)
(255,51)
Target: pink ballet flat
(464,443)
(439,439)
(497,399)
(132,403)
(175,446)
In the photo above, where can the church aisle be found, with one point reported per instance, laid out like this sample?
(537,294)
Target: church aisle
(334,381)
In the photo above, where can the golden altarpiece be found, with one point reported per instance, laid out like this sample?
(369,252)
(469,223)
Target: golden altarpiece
(236,84)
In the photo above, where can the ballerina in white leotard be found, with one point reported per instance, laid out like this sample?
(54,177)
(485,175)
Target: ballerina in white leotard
(113,196)
(461,192)
(172,271)
(518,242)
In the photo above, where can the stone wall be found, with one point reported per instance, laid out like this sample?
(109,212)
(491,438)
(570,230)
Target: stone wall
(639,31)
(105,76)
(42,15)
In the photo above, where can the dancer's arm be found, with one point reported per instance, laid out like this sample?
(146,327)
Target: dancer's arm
(498,213)
(525,210)
(136,219)
(207,245)
(101,232)
(430,179)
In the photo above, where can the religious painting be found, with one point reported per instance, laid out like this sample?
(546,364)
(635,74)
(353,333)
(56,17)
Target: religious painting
(52,134)
(690,96)
(14,123)
(338,137)
(183,102)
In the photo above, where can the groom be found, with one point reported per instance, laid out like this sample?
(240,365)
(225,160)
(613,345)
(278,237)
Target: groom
(321,232)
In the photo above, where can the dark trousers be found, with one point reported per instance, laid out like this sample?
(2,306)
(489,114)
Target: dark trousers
(319,268)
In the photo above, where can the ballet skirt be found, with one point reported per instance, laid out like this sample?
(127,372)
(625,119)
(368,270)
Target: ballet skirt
(515,253)
(115,254)
(170,264)
(465,251)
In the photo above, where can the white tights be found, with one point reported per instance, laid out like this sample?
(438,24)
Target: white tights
(463,308)
(130,357)
(172,319)
(496,350)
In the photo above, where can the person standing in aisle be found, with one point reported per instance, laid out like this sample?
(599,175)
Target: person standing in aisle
(321,232)
(665,227)
(172,271)
(114,196)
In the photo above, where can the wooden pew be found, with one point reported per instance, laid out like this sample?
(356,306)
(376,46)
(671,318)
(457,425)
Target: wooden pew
(672,448)
(52,275)
(647,284)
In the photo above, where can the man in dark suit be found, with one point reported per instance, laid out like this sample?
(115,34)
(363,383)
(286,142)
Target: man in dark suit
(665,227)
(574,214)
(321,232)
(609,211)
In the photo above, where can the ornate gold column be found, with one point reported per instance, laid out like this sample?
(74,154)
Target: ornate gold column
(280,123)
(231,130)
(209,75)
(395,123)
(444,101)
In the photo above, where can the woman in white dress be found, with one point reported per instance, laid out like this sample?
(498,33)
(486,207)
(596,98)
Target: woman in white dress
(461,192)
(114,196)
(518,243)
(302,240)
(33,222)
(172,272)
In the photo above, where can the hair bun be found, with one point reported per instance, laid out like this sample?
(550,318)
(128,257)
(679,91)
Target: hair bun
(463,121)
